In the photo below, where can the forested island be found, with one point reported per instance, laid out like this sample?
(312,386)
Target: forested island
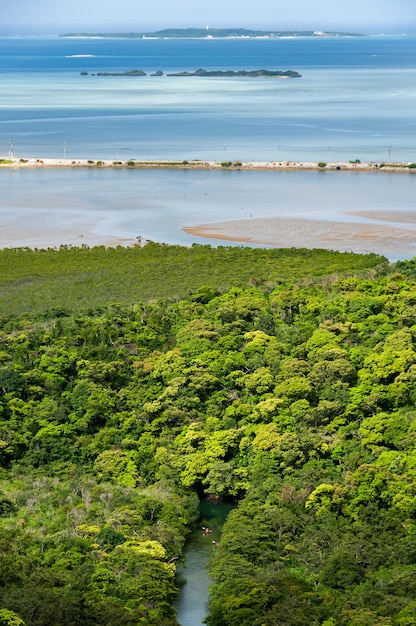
(210,73)
(241,73)
(136,381)
(217,33)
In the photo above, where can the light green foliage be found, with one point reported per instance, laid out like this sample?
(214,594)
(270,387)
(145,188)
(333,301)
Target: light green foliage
(118,466)
(114,546)
(290,394)
(9,618)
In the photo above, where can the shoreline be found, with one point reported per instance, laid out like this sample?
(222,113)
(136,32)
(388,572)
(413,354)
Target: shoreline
(356,228)
(22,163)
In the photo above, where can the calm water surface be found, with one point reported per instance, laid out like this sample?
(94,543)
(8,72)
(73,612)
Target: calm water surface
(56,206)
(356,99)
(193,579)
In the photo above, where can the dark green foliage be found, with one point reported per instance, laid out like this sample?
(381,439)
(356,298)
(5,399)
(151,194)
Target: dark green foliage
(292,394)
(6,506)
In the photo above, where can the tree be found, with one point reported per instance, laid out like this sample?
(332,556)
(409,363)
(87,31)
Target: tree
(9,618)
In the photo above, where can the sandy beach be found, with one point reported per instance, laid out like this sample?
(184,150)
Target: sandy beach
(228,165)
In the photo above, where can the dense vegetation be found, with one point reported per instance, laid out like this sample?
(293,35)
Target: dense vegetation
(73,279)
(294,398)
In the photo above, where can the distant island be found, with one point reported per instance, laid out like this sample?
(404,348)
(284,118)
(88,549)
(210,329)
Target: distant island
(216,33)
(128,73)
(249,73)
(210,73)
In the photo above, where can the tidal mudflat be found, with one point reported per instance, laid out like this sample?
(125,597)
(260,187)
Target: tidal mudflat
(356,211)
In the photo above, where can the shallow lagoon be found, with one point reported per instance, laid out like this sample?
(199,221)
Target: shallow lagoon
(50,207)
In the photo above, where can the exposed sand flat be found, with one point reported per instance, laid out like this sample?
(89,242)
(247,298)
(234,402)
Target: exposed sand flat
(18,231)
(58,237)
(402,217)
(295,232)
(247,165)
(55,218)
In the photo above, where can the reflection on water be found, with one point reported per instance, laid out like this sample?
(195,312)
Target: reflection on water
(49,207)
(193,579)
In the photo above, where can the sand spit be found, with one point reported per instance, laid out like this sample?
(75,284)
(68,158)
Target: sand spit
(287,232)
(229,165)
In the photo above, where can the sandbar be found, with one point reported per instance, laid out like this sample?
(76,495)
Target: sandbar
(228,165)
(402,217)
(292,232)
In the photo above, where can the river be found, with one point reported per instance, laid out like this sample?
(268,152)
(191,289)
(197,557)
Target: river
(193,579)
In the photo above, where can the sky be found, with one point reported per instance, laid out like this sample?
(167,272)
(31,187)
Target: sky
(24,17)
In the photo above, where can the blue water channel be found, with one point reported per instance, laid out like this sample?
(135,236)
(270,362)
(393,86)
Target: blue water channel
(193,578)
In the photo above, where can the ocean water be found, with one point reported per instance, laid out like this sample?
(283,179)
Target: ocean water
(356,99)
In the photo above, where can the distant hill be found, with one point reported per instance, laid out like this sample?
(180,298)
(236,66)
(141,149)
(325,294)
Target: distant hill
(204,33)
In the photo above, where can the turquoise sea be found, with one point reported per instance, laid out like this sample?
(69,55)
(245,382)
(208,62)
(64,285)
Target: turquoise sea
(356,99)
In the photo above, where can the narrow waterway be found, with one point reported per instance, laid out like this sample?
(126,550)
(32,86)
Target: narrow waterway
(193,579)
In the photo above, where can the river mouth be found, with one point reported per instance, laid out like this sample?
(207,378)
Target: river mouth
(193,578)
